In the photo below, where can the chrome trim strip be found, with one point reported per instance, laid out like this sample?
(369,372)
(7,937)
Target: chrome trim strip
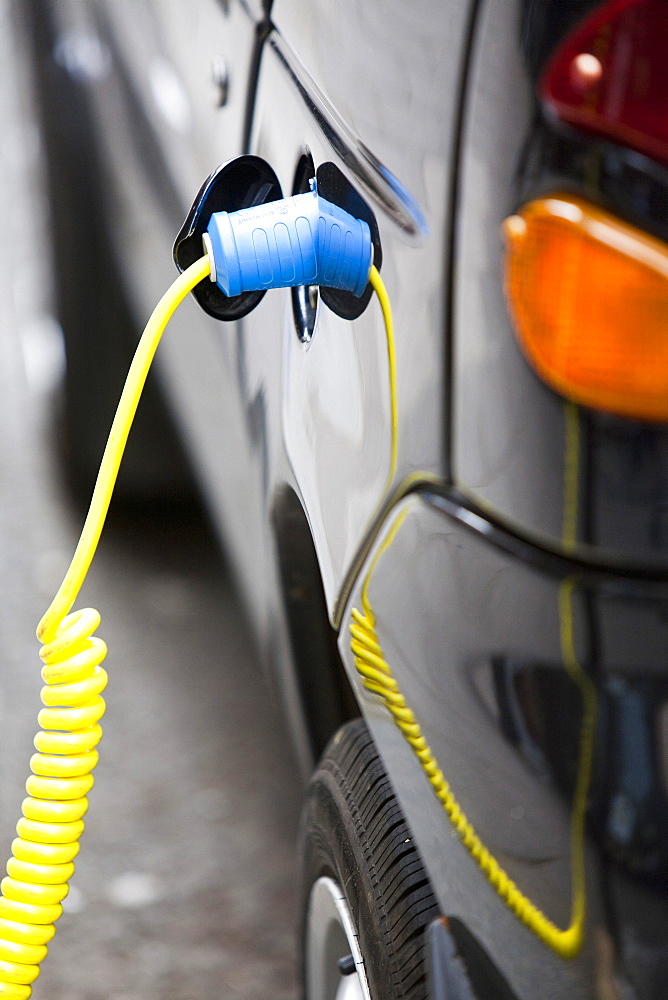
(389,193)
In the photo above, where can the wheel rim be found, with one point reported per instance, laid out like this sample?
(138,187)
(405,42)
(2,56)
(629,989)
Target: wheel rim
(330,936)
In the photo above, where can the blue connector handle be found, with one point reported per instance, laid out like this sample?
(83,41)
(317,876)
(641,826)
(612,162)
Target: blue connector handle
(303,240)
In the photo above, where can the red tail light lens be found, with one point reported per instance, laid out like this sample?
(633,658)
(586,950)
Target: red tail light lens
(609,76)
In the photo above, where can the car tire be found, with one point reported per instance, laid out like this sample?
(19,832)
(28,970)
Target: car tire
(366,897)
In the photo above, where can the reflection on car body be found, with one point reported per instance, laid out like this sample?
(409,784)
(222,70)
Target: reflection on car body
(513,574)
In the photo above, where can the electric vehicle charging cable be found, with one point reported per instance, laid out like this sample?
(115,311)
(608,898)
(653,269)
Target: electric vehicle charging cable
(43,854)
(302,240)
(328,247)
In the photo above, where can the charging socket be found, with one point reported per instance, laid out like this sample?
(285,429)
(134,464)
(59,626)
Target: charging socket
(248,182)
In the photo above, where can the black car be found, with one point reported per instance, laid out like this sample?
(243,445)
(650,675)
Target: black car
(456,566)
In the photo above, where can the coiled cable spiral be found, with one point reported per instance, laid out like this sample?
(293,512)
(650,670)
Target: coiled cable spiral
(377,677)
(43,854)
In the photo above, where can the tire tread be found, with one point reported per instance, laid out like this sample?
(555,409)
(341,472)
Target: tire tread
(352,773)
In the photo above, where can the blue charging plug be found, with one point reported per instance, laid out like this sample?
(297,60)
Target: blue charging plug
(303,240)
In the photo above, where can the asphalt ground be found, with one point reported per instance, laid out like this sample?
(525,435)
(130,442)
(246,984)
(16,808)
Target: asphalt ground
(185,885)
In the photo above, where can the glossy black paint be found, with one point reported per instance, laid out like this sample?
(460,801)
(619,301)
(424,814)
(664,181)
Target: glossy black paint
(620,566)
(471,627)
(538,707)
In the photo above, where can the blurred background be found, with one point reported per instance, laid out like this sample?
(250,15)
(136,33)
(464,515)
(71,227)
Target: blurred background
(185,883)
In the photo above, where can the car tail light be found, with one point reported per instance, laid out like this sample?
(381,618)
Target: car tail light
(589,298)
(609,76)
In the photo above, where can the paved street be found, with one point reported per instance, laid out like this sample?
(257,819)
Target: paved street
(185,884)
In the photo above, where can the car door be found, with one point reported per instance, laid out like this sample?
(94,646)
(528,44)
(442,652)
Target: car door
(372,100)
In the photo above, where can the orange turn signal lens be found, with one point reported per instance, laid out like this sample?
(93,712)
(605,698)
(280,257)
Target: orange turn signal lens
(588,295)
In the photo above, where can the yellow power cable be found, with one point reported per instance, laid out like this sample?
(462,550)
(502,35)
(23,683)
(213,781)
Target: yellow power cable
(48,833)
(41,865)
(571,475)
(377,677)
(113,453)
(383,299)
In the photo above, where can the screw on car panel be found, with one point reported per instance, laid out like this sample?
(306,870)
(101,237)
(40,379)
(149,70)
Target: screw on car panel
(220,76)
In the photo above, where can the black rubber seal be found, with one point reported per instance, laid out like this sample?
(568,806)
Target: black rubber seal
(243,182)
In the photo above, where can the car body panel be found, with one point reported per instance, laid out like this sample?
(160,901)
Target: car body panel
(442,593)
(196,359)
(468,594)
(155,165)
(335,389)
(508,430)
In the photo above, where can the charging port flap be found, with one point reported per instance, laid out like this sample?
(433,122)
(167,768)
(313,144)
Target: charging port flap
(244,182)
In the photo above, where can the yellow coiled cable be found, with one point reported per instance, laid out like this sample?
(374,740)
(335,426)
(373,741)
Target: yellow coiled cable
(378,286)
(376,675)
(42,861)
